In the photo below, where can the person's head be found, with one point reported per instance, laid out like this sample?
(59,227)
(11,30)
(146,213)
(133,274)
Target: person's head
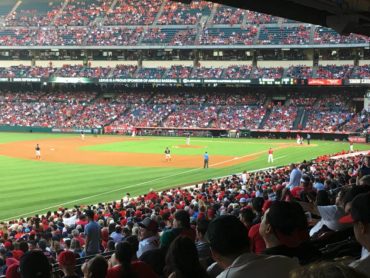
(148,228)
(322,198)
(182,219)
(365,180)
(42,244)
(351,194)
(367,161)
(75,244)
(202,226)
(360,217)
(246,217)
(228,239)
(97,267)
(90,214)
(123,252)
(182,259)
(326,270)
(67,262)
(75,233)
(35,264)
(134,243)
(257,204)
(284,223)
(292,166)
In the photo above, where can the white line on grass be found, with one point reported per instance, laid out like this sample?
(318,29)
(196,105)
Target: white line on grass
(119,189)
(280,157)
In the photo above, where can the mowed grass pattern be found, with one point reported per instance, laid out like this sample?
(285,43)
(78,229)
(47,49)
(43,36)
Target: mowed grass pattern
(29,187)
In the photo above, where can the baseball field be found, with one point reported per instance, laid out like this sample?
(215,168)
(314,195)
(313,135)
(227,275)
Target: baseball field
(73,171)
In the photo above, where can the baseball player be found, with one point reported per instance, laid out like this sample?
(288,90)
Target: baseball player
(167,153)
(38,152)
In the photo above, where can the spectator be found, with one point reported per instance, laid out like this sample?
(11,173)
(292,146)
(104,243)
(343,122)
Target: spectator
(117,234)
(284,229)
(97,267)
(204,252)
(360,217)
(35,264)
(148,236)
(92,232)
(230,249)
(67,263)
(295,176)
(182,260)
(181,226)
(125,267)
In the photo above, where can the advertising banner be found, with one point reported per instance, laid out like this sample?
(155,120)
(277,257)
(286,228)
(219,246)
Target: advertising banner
(325,82)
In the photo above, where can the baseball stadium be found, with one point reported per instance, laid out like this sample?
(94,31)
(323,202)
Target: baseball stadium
(184,138)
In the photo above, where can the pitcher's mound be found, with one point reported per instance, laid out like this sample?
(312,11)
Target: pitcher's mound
(190,147)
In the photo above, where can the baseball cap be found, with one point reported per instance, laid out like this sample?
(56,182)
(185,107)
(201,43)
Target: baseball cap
(67,258)
(149,224)
(243,200)
(360,210)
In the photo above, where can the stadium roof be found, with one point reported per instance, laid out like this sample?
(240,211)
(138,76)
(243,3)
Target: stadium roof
(344,16)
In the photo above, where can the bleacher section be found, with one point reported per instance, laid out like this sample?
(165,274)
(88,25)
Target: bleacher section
(201,23)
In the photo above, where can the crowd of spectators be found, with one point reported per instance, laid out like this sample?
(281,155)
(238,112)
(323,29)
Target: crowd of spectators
(175,13)
(228,36)
(228,15)
(299,72)
(284,35)
(358,122)
(278,222)
(245,117)
(99,22)
(131,35)
(281,117)
(183,109)
(328,36)
(133,12)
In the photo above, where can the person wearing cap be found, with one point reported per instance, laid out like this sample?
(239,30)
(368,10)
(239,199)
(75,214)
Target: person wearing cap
(148,236)
(229,245)
(92,232)
(360,217)
(67,263)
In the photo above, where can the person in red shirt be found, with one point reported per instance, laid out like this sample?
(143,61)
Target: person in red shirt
(125,267)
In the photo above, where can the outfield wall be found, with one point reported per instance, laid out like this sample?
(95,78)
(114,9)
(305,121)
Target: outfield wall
(30,129)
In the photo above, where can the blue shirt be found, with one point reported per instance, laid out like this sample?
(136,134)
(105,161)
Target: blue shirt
(205,156)
(295,178)
(92,231)
(319,186)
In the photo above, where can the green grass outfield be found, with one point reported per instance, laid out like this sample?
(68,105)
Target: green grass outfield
(29,187)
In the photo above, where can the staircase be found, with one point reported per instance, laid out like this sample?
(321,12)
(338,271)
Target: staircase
(213,12)
(304,119)
(264,119)
(158,15)
(59,13)
(111,8)
(298,119)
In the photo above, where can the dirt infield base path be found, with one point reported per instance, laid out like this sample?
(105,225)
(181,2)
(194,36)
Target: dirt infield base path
(67,150)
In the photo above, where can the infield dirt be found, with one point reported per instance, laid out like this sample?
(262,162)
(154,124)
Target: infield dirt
(67,150)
